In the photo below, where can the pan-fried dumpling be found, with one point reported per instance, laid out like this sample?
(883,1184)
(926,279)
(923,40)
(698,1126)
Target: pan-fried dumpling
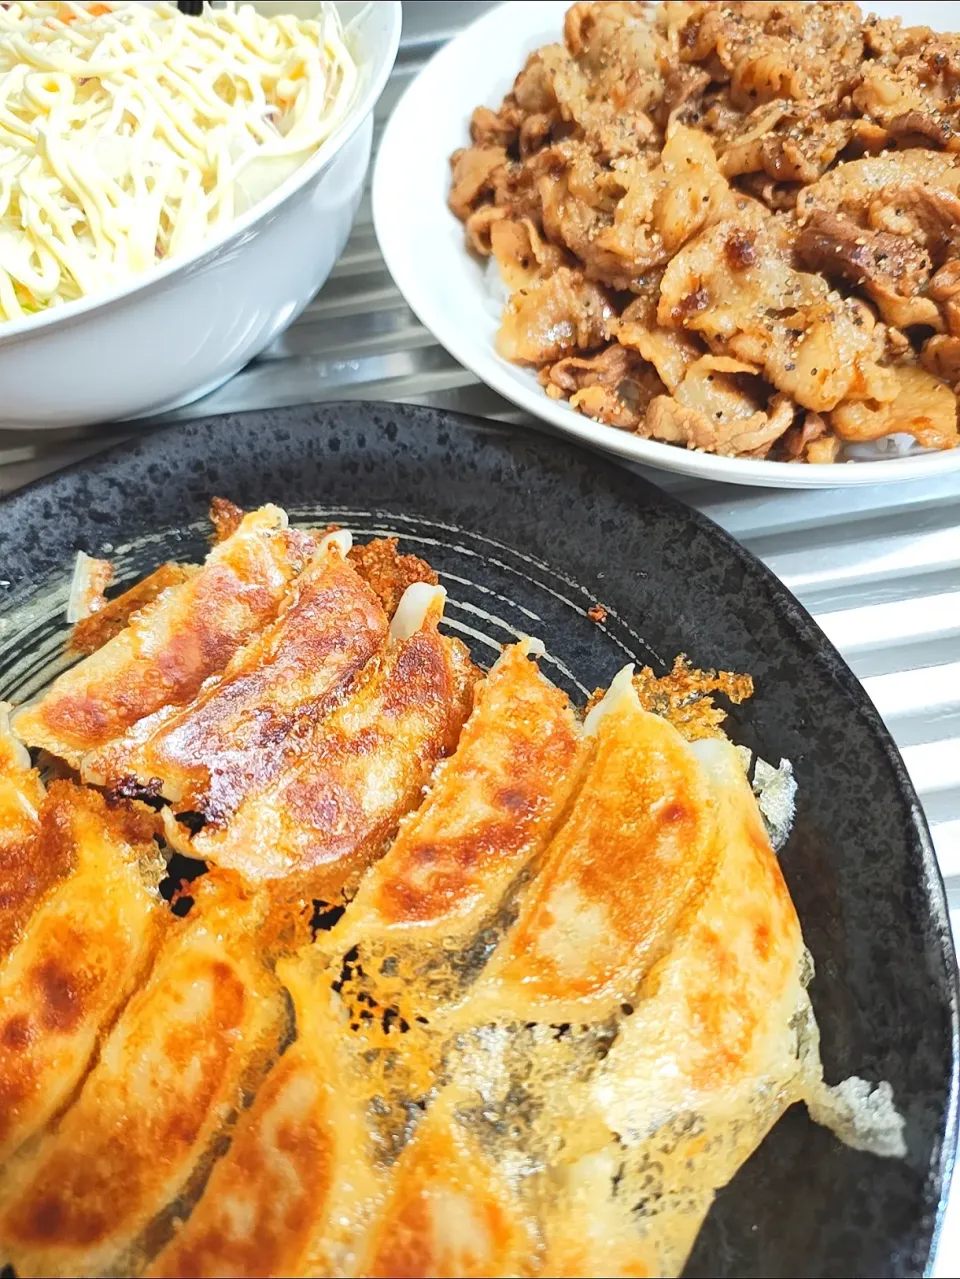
(448,1211)
(169,648)
(635,852)
(91,1198)
(489,810)
(296,1156)
(24,877)
(720,1042)
(110,617)
(230,739)
(453,869)
(340,794)
(87,944)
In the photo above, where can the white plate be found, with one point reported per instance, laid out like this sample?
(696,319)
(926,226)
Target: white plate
(422,243)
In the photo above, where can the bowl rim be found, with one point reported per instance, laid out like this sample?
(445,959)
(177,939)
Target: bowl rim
(13,331)
(512,20)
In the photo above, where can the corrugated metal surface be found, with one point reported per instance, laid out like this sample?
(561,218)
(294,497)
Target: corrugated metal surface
(878,567)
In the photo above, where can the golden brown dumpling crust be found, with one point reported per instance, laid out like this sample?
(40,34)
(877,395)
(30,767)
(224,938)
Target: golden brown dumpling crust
(189,633)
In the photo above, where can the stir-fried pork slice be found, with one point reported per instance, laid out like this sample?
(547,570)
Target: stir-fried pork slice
(914,193)
(554,317)
(945,290)
(490,128)
(789,144)
(779,197)
(667,204)
(473,170)
(87,944)
(608,75)
(720,406)
(892,269)
(809,441)
(523,255)
(670,351)
(941,357)
(615,387)
(801,52)
(912,86)
(169,648)
(682,101)
(577,198)
(735,287)
(924,407)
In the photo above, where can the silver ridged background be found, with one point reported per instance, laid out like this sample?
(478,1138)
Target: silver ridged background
(879,568)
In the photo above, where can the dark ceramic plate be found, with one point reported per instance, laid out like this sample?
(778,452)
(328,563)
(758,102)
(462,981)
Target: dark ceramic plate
(527,534)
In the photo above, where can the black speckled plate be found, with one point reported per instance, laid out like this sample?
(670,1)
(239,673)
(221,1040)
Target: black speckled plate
(527,534)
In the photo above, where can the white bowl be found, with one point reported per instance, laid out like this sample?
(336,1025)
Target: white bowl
(422,243)
(183,329)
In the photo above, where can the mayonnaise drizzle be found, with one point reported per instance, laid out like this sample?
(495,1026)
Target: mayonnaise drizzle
(130,133)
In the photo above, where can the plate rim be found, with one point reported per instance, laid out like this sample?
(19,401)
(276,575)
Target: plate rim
(629,487)
(507,380)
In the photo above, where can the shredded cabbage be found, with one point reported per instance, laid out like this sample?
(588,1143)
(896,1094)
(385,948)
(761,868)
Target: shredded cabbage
(130,133)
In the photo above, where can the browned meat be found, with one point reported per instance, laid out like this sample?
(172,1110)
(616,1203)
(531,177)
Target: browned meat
(479,228)
(809,441)
(522,254)
(612,73)
(490,129)
(731,429)
(473,171)
(789,144)
(912,87)
(615,387)
(779,197)
(749,210)
(914,128)
(892,269)
(670,351)
(682,98)
(923,407)
(735,287)
(663,207)
(571,222)
(912,193)
(941,357)
(945,290)
(563,313)
(800,52)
